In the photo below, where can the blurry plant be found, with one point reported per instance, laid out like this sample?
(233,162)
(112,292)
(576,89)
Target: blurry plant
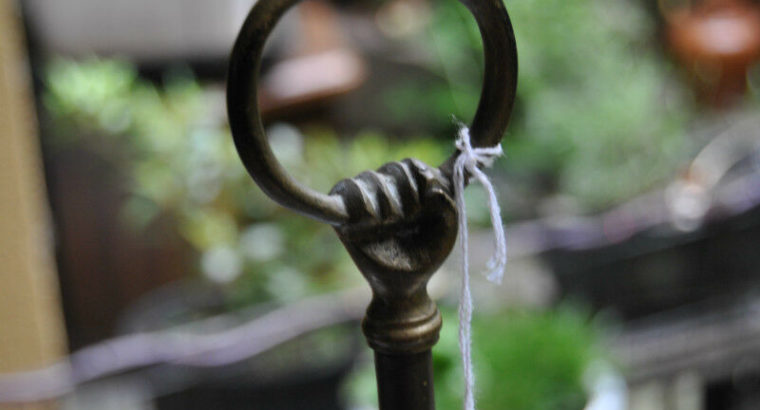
(174,146)
(598,116)
(753,83)
(524,360)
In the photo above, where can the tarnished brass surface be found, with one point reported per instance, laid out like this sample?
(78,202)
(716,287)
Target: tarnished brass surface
(398,223)
(402,226)
(407,381)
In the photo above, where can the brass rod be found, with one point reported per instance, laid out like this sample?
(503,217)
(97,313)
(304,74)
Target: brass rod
(405,381)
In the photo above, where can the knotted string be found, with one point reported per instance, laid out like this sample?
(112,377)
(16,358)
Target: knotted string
(468,163)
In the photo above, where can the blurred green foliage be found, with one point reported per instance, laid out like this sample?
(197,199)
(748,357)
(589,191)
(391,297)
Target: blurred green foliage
(753,83)
(172,143)
(524,360)
(600,115)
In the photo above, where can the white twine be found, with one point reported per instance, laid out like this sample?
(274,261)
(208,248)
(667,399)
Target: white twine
(470,160)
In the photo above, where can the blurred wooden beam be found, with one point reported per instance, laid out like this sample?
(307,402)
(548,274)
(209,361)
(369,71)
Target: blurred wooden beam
(31,328)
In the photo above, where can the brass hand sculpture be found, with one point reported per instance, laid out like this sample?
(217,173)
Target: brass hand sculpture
(398,223)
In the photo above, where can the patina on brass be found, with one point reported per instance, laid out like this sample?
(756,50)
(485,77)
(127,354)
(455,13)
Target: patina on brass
(398,223)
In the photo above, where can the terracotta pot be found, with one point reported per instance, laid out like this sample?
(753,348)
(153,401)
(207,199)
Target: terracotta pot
(717,41)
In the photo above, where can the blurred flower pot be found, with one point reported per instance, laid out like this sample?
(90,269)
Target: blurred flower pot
(692,243)
(304,373)
(717,41)
(637,269)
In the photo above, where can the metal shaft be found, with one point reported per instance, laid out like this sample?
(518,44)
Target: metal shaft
(405,381)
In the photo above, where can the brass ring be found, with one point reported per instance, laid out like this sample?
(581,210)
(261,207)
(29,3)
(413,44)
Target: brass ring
(491,119)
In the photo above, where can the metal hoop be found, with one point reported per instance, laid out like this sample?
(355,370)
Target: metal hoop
(488,126)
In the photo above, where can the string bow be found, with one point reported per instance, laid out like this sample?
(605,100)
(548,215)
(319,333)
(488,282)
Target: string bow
(468,164)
